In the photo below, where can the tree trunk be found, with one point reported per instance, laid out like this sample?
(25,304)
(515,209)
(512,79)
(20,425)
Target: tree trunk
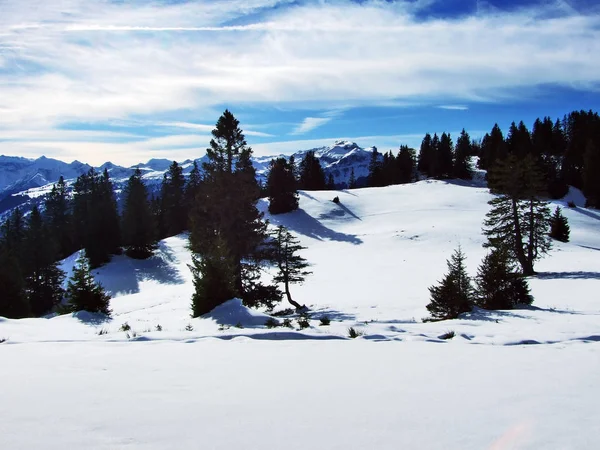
(519,252)
(294,303)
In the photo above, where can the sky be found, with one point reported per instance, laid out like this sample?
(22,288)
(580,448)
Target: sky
(130,80)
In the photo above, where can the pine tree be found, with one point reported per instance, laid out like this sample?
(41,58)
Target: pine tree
(225,210)
(43,276)
(426,154)
(443,157)
(518,220)
(330,182)
(454,294)
(173,206)
(281,187)
(591,175)
(405,162)
(13,301)
(375,177)
(498,285)
(290,266)
(462,157)
(83,293)
(57,209)
(559,226)
(192,188)
(312,177)
(352,181)
(139,229)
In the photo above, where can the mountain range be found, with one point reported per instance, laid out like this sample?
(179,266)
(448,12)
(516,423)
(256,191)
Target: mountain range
(23,179)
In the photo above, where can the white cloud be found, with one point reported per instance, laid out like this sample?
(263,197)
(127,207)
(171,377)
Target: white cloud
(100,61)
(309,124)
(454,107)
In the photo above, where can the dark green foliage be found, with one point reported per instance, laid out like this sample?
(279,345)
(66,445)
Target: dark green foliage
(83,293)
(518,220)
(443,167)
(559,226)
(462,156)
(95,217)
(353,333)
(138,227)
(271,323)
(284,312)
(376,176)
(125,327)
(426,156)
(303,322)
(312,177)
(287,323)
(454,294)
(43,283)
(13,301)
(290,266)
(336,200)
(405,165)
(493,149)
(352,182)
(582,134)
(498,285)
(447,335)
(173,200)
(591,174)
(330,182)
(58,215)
(325,321)
(281,187)
(189,327)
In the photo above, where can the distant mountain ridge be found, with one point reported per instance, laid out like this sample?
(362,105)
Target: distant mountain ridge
(26,178)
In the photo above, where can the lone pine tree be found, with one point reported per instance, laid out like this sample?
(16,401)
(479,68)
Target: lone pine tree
(454,294)
(83,293)
(498,284)
(290,266)
(559,226)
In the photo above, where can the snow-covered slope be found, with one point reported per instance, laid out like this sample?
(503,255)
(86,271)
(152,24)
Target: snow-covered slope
(399,385)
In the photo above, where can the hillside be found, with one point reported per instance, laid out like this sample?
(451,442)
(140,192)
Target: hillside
(373,257)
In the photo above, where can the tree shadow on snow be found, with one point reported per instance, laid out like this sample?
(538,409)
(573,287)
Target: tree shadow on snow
(302,223)
(586,212)
(568,275)
(124,275)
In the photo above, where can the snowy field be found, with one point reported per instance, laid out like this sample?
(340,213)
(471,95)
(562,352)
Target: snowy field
(527,378)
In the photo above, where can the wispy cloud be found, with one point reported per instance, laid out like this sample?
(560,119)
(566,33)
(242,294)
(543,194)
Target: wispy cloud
(454,107)
(309,124)
(101,61)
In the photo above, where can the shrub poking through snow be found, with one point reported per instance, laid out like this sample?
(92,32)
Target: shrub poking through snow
(284,312)
(287,323)
(447,335)
(125,327)
(325,321)
(189,327)
(336,200)
(271,323)
(559,226)
(571,204)
(454,294)
(239,325)
(158,328)
(3,340)
(354,333)
(102,332)
(303,322)
(83,293)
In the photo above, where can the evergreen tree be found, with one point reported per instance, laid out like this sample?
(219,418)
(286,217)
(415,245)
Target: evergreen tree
(83,293)
(290,266)
(426,155)
(172,193)
(591,175)
(375,177)
(462,157)
(493,149)
(192,188)
(352,181)
(43,276)
(405,165)
(518,220)
(443,165)
(57,209)
(454,294)
(139,229)
(330,182)
(498,285)
(225,211)
(312,177)
(13,300)
(281,187)
(559,226)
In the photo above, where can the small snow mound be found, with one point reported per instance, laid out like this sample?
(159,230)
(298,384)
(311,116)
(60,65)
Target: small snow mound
(233,313)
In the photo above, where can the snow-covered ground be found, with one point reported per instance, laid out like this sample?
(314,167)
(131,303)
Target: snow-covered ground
(530,382)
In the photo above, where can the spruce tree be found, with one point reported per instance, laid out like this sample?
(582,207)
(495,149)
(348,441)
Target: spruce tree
(498,285)
(138,227)
(57,210)
(426,154)
(44,278)
(405,162)
(591,174)
(559,226)
(330,182)
(83,293)
(281,187)
(518,220)
(312,177)
(454,294)
(462,157)
(443,166)
(13,300)
(290,266)
(172,194)
(352,181)
(375,177)
(192,188)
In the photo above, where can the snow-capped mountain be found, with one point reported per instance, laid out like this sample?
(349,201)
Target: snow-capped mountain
(22,179)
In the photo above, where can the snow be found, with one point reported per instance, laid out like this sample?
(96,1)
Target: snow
(525,378)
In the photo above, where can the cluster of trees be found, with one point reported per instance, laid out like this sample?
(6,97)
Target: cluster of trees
(566,152)
(439,158)
(387,169)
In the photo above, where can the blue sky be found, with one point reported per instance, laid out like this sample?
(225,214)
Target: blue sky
(131,80)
